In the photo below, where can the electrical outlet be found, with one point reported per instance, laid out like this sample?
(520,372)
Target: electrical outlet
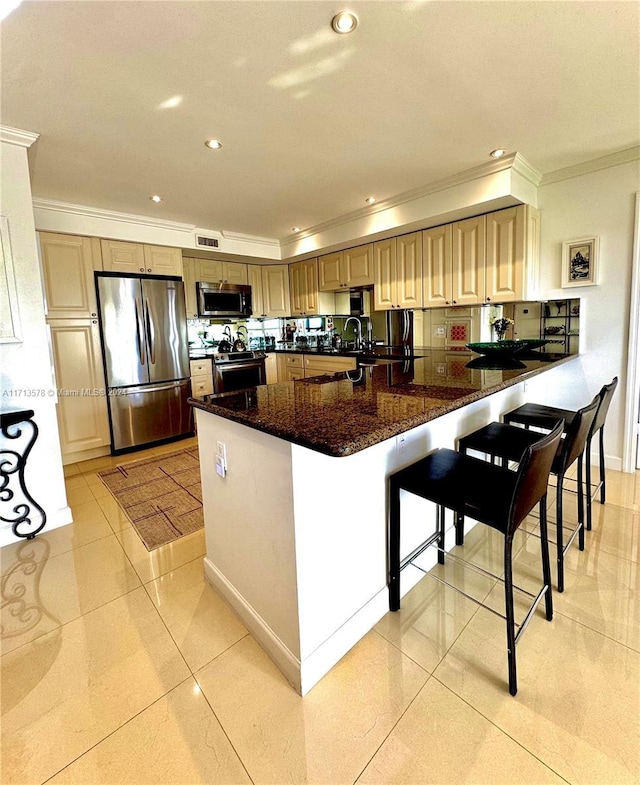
(221,458)
(401,442)
(440,331)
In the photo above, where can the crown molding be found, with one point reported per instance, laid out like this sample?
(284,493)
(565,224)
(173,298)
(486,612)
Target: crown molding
(594,165)
(110,215)
(513,161)
(271,242)
(17,136)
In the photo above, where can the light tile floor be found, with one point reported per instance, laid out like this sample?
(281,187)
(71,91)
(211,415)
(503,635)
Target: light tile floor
(126,667)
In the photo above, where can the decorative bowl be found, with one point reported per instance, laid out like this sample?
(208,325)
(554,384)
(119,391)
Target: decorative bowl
(501,348)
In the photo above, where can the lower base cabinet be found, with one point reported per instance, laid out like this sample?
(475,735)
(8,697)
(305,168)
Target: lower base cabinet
(83,420)
(303,366)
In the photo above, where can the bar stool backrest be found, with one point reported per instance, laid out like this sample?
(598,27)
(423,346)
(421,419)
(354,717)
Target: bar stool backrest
(605,395)
(577,433)
(533,476)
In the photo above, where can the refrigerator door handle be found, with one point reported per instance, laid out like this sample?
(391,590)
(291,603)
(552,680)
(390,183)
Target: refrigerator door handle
(143,388)
(139,339)
(151,333)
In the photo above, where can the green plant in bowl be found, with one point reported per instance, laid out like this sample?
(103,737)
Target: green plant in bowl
(502,348)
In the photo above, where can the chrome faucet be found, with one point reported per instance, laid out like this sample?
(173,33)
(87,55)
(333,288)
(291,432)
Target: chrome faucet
(358,341)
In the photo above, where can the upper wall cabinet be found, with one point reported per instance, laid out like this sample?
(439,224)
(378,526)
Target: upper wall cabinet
(489,258)
(306,298)
(513,237)
(269,290)
(215,271)
(346,269)
(397,264)
(68,264)
(121,257)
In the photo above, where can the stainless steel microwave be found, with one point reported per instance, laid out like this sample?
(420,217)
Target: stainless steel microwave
(223,300)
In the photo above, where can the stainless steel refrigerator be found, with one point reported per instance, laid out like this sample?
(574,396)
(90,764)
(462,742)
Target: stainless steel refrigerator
(146,358)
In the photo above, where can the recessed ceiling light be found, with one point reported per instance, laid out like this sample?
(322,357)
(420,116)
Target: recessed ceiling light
(344,22)
(497,153)
(155,198)
(370,200)
(296,229)
(213,144)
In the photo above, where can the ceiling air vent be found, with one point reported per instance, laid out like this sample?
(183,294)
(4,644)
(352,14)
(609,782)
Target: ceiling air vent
(207,242)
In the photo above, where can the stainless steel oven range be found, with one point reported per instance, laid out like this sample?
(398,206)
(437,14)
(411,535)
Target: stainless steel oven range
(238,370)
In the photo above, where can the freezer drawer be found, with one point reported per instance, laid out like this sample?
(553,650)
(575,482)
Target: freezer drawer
(149,413)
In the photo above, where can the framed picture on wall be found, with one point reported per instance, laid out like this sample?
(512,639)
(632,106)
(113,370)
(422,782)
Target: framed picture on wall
(580,262)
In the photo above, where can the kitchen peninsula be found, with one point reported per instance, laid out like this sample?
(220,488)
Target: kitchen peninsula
(296,529)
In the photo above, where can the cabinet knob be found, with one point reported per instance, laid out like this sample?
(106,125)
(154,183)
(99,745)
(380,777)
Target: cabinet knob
(148,269)
(94,321)
(142,269)
(446,302)
(488,299)
(455,301)
(94,314)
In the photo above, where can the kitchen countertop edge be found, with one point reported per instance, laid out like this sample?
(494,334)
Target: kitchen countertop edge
(376,434)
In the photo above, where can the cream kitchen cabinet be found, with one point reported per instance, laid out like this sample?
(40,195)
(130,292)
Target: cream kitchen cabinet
(123,257)
(189,277)
(290,367)
(489,258)
(68,265)
(215,271)
(201,372)
(269,290)
(82,404)
(346,269)
(397,266)
(512,254)
(317,365)
(271,368)
(437,263)
(469,261)
(306,298)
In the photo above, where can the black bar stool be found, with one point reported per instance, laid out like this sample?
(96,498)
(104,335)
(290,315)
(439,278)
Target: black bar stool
(539,416)
(509,443)
(489,494)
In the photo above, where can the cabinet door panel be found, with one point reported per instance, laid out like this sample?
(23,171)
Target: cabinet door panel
(296,288)
(437,266)
(209,270)
(505,255)
(384,274)
(358,265)
(469,261)
(310,287)
(82,413)
(254,275)
(275,290)
(330,271)
(409,270)
(162,260)
(189,278)
(233,272)
(122,257)
(68,263)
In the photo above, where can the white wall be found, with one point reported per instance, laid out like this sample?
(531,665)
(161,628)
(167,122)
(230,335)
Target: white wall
(599,203)
(27,365)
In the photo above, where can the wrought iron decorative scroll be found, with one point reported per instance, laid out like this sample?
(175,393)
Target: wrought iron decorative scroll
(17,506)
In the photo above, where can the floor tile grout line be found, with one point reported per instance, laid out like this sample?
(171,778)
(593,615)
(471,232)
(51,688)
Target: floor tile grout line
(502,730)
(115,730)
(224,730)
(394,726)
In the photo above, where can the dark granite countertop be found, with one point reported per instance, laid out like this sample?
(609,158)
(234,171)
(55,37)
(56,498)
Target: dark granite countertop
(340,414)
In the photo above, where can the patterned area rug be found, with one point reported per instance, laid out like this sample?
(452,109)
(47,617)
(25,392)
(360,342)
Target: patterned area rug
(161,496)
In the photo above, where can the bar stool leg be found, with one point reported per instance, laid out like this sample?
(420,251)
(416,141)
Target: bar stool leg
(440,524)
(394,547)
(602,474)
(588,483)
(459,528)
(510,616)
(580,506)
(546,566)
(559,538)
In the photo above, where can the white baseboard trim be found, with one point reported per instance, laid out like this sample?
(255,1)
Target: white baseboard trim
(55,519)
(283,657)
